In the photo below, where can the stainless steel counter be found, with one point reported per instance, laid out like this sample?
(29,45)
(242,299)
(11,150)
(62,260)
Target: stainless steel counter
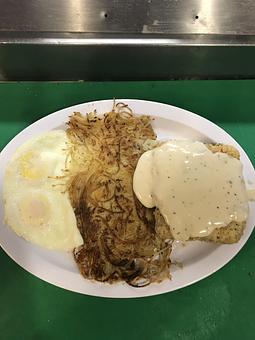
(118,39)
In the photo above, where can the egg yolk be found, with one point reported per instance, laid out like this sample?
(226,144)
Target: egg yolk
(35,211)
(30,167)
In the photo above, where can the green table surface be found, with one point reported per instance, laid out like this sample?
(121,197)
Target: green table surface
(221,306)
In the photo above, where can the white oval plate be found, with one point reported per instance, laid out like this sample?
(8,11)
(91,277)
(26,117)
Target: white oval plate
(199,259)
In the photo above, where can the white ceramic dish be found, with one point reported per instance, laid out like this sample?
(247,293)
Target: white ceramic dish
(199,259)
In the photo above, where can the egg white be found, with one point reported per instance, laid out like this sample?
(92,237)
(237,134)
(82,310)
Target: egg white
(36,207)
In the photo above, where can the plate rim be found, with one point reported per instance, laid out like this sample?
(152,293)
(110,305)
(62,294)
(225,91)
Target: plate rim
(188,114)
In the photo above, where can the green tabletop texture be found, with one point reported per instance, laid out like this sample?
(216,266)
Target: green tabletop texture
(221,306)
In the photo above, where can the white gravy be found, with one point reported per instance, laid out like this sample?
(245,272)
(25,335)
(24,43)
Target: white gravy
(195,190)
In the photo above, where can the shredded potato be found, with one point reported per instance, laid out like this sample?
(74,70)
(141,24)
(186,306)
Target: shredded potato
(120,241)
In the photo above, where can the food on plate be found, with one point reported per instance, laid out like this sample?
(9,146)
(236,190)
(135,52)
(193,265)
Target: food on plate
(120,240)
(229,234)
(109,191)
(34,205)
(198,190)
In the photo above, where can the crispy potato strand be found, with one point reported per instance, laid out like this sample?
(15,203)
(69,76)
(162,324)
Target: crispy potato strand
(120,242)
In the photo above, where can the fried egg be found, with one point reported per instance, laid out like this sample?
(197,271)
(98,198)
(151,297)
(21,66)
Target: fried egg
(35,206)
